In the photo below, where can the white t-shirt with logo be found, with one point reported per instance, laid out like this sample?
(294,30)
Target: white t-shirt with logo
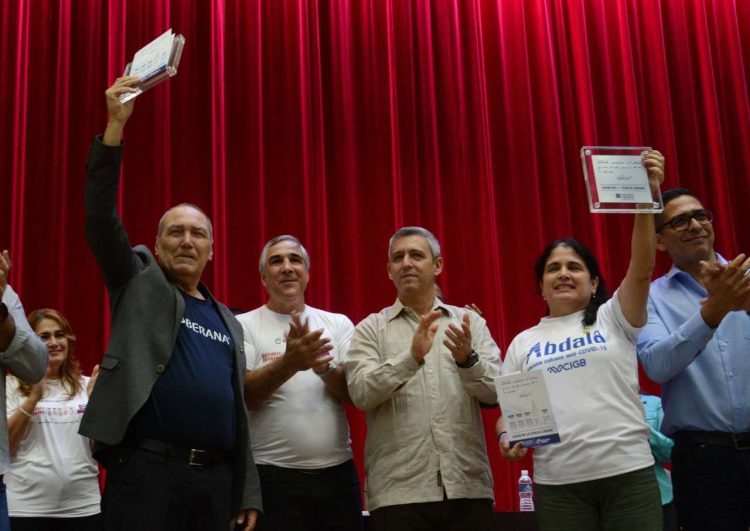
(592,379)
(300,425)
(52,473)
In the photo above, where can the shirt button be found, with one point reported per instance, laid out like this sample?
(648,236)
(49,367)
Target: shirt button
(160,368)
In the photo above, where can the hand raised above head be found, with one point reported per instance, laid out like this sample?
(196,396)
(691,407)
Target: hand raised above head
(653,161)
(120,112)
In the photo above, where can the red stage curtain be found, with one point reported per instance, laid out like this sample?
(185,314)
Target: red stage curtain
(339,121)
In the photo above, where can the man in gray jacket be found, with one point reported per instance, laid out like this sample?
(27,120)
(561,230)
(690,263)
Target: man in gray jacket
(167,412)
(24,354)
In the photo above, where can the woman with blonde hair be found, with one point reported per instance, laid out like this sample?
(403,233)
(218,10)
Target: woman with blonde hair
(53,480)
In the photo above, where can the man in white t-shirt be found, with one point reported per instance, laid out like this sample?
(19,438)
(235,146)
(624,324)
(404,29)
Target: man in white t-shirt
(294,390)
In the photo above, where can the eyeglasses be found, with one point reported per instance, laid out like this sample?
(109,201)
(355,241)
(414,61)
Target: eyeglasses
(682,222)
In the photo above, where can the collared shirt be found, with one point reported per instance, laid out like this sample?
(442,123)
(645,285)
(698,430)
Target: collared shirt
(704,371)
(424,425)
(26,357)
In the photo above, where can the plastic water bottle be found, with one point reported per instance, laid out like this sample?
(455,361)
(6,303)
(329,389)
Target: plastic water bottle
(526,491)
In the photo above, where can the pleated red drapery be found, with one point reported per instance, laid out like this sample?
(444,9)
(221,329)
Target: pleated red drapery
(339,121)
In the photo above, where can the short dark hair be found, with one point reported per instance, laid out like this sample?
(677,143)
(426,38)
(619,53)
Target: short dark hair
(666,197)
(600,296)
(674,193)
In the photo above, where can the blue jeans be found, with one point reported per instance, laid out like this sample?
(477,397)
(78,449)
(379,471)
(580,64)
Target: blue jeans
(300,500)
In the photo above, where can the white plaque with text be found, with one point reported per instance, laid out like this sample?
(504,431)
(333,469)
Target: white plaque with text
(527,412)
(617,181)
(155,63)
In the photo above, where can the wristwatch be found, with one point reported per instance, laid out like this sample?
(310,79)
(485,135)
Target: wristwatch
(3,311)
(470,361)
(329,371)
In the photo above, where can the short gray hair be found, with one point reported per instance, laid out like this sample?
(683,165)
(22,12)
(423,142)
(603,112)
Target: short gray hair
(278,239)
(416,231)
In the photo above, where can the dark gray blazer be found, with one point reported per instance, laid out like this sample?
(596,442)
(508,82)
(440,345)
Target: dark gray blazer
(146,310)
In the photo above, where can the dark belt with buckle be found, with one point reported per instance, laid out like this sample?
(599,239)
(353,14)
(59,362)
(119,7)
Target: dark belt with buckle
(192,456)
(738,441)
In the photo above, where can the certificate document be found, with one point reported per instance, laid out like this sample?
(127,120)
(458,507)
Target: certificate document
(527,412)
(620,179)
(153,58)
(155,63)
(617,181)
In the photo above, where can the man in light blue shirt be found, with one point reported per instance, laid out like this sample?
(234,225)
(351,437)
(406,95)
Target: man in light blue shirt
(697,344)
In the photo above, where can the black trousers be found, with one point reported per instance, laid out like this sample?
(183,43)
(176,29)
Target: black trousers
(711,487)
(448,515)
(296,500)
(82,523)
(150,492)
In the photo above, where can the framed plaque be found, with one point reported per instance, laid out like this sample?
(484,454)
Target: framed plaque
(155,63)
(616,180)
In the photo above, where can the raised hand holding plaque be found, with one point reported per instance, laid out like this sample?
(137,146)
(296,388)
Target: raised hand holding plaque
(616,180)
(155,63)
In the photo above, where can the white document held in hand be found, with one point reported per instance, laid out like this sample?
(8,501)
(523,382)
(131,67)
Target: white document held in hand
(153,58)
(155,63)
(527,412)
